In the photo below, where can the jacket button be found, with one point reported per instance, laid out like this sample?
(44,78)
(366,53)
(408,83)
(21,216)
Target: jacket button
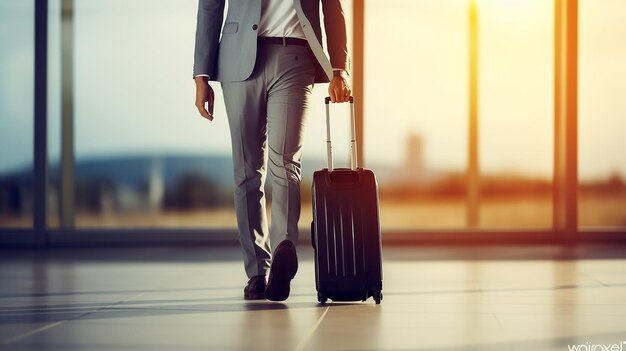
(254,27)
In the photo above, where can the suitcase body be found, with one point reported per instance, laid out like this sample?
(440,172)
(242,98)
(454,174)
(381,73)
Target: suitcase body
(345,233)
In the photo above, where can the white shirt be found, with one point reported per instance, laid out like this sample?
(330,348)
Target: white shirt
(279,19)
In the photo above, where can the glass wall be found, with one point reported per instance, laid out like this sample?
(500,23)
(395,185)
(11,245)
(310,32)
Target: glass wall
(416,110)
(516,112)
(602,113)
(416,113)
(16,112)
(144,158)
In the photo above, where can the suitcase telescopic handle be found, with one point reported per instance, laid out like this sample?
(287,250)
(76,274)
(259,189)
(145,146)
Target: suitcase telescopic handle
(329,150)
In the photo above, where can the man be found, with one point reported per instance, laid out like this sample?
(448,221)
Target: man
(269,56)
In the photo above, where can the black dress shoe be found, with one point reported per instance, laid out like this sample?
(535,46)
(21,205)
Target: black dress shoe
(255,290)
(283,269)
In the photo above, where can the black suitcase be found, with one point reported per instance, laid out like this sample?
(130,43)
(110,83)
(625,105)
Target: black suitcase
(345,231)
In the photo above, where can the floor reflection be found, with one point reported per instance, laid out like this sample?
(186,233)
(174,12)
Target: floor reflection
(435,299)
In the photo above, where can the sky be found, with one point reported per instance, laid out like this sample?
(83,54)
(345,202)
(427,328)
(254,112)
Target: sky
(134,92)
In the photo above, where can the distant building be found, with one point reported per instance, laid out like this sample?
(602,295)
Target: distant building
(156,186)
(414,159)
(414,168)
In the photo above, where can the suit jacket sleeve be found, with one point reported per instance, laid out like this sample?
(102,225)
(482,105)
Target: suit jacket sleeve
(209,24)
(336,38)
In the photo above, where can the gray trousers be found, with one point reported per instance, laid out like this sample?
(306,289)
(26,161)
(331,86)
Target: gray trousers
(266,115)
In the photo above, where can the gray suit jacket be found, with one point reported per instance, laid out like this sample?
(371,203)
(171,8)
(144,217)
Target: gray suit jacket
(232,58)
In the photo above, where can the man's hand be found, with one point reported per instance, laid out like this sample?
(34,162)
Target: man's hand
(204,93)
(338,90)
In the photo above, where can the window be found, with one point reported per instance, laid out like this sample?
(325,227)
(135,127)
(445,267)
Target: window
(602,112)
(516,112)
(16,113)
(415,110)
(143,158)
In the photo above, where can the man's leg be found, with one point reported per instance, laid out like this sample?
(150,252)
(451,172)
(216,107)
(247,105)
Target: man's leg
(245,106)
(290,83)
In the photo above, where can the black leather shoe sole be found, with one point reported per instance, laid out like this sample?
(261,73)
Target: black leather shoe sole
(283,269)
(255,290)
(254,296)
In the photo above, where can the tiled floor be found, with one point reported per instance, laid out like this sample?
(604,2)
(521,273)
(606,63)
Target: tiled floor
(463,298)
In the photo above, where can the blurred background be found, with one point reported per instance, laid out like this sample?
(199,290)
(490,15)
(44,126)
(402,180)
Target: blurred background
(143,157)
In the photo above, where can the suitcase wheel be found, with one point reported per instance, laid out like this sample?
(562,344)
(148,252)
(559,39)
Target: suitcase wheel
(378,297)
(321,298)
